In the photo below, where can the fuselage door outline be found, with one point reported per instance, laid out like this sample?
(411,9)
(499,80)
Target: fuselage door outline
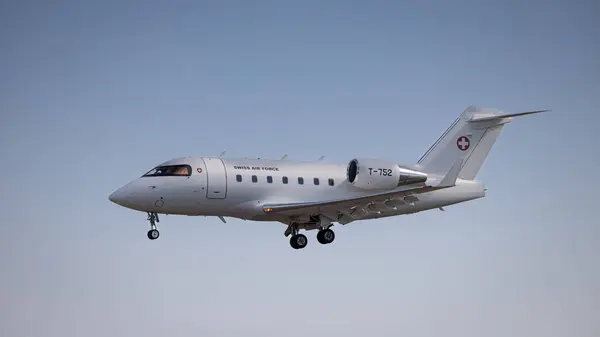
(216,178)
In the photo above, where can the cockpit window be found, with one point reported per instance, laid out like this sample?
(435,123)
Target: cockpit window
(170,171)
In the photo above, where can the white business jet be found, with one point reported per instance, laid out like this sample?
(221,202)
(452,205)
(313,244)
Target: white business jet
(315,195)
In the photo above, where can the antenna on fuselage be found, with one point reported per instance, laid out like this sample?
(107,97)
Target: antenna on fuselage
(222,153)
(320,158)
(284,156)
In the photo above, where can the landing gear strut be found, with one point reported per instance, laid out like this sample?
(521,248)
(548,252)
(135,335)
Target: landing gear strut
(153,233)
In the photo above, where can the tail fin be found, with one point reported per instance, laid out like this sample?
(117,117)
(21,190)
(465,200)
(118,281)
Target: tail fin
(470,137)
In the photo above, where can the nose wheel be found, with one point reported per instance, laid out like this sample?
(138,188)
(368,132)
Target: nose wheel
(153,233)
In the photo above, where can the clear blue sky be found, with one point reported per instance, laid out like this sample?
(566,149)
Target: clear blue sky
(93,94)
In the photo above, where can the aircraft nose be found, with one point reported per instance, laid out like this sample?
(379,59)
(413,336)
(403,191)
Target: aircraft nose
(123,196)
(117,196)
(127,196)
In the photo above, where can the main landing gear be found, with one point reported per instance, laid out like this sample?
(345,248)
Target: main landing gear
(299,241)
(153,233)
(325,236)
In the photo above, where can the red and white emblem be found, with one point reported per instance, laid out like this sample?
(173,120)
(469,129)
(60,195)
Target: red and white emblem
(463,143)
(199,170)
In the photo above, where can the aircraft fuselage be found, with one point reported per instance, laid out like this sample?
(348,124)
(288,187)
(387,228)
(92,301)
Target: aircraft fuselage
(239,187)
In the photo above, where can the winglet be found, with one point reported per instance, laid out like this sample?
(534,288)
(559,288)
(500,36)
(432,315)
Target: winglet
(449,179)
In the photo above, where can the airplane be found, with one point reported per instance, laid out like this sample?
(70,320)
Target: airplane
(315,195)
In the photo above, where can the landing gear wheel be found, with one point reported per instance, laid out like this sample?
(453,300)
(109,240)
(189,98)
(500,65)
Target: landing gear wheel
(298,241)
(325,236)
(153,234)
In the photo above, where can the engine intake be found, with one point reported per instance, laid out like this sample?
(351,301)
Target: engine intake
(381,174)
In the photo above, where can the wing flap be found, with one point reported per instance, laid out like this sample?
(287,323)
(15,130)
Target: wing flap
(347,203)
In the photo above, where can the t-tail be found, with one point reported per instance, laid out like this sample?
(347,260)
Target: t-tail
(469,138)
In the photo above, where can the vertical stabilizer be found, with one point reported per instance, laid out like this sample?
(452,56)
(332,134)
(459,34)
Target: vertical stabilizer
(470,137)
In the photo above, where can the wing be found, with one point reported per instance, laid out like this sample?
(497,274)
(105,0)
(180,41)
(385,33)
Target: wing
(333,206)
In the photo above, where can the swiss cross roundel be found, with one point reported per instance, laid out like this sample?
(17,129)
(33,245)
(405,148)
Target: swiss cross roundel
(463,143)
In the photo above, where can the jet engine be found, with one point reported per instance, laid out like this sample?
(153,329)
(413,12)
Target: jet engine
(376,174)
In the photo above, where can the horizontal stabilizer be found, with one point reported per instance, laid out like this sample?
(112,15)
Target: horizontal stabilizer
(498,117)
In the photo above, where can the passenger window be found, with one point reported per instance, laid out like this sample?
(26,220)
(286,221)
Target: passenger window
(284,179)
(330,182)
(238,178)
(254,179)
(269,179)
(316,181)
(300,180)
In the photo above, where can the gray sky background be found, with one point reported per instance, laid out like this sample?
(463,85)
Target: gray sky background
(94,94)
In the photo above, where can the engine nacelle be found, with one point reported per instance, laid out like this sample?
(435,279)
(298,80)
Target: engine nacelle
(376,174)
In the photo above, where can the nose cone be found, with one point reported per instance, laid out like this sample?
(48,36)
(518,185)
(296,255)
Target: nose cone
(118,197)
(129,196)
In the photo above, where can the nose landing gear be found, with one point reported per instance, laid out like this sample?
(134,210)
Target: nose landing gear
(153,233)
